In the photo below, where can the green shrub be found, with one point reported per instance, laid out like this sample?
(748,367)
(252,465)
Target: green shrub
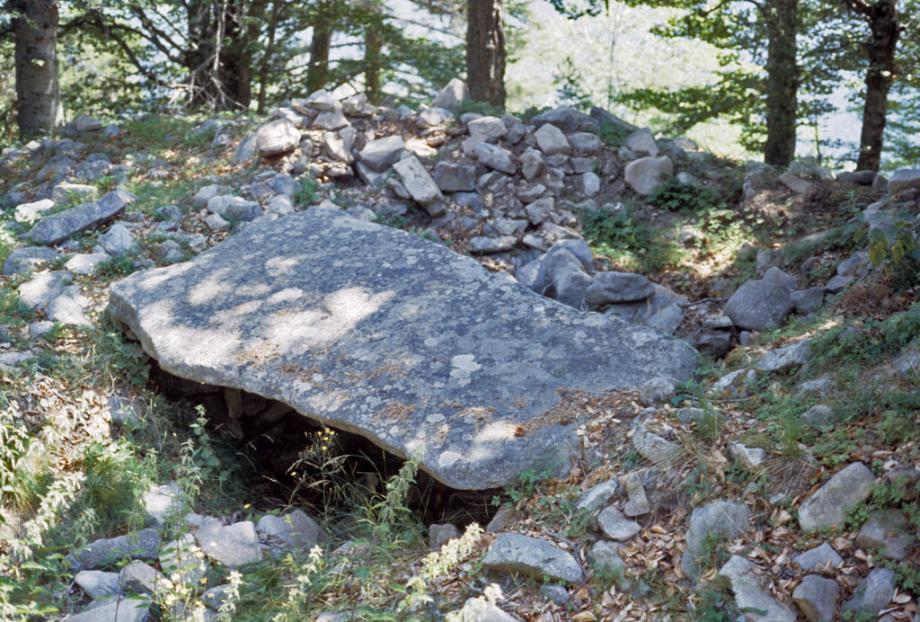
(115,267)
(307,192)
(115,483)
(900,257)
(628,241)
(613,134)
(675,196)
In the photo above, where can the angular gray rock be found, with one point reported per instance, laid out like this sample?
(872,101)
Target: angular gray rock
(751,597)
(486,129)
(646,174)
(28,213)
(817,598)
(41,290)
(382,153)
(277,137)
(807,300)
(234,209)
(536,557)
(455,176)
(118,240)
(495,157)
(119,610)
(143,545)
(615,525)
(904,179)
(290,532)
(98,583)
(829,505)
(161,501)
(714,522)
(58,227)
(597,496)
(605,557)
(888,532)
(642,141)
(792,355)
(393,329)
(819,558)
(451,96)
(142,578)
(420,185)
(28,258)
(231,545)
(439,535)
(819,416)
(551,140)
(611,287)
(873,593)
(759,304)
(480,610)
(85,263)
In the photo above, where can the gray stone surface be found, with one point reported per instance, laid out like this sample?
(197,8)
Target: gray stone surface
(612,287)
(819,558)
(888,532)
(143,544)
(161,501)
(420,185)
(480,610)
(441,534)
(604,556)
(118,240)
(121,610)
(496,157)
(142,578)
(551,140)
(904,179)
(646,174)
(533,556)
(379,332)
(759,304)
(277,137)
(85,263)
(231,545)
(829,505)
(792,355)
(597,496)
(28,258)
(381,154)
(455,176)
(292,531)
(717,520)
(751,597)
(98,583)
(817,598)
(615,525)
(873,593)
(58,227)
(807,300)
(451,96)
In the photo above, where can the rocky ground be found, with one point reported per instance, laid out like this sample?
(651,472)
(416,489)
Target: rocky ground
(779,482)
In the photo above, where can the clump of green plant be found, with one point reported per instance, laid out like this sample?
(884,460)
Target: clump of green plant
(115,267)
(115,482)
(900,256)
(613,134)
(716,604)
(115,359)
(676,196)
(307,191)
(627,240)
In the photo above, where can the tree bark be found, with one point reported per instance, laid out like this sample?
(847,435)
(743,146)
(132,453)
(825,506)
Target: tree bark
(38,99)
(881,48)
(485,52)
(318,68)
(782,81)
(373,48)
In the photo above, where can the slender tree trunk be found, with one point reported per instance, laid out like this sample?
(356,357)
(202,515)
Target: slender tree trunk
(782,81)
(38,99)
(265,62)
(373,48)
(881,47)
(319,50)
(198,60)
(485,52)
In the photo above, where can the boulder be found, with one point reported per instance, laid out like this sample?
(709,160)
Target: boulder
(860,178)
(821,557)
(381,154)
(455,176)
(276,138)
(904,179)
(872,594)
(294,531)
(58,227)
(452,96)
(118,610)
(610,287)
(615,525)
(792,355)
(97,583)
(887,532)
(28,258)
(531,164)
(234,209)
(828,506)
(66,191)
(104,553)
(486,129)
(495,157)
(231,545)
(420,185)
(716,521)
(597,496)
(118,241)
(536,557)
(759,304)
(344,298)
(751,596)
(642,141)
(551,140)
(567,119)
(646,174)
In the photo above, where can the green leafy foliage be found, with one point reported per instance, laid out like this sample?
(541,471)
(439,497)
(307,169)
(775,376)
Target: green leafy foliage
(675,196)
(627,240)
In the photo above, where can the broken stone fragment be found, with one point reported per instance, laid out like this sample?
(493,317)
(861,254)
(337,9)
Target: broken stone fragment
(536,557)
(828,506)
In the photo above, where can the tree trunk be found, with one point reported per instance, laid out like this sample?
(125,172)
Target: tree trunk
(198,60)
(881,47)
(373,48)
(266,61)
(782,81)
(485,52)
(319,51)
(38,99)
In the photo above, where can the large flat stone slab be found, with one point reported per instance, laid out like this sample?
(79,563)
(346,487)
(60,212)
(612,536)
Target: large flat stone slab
(378,332)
